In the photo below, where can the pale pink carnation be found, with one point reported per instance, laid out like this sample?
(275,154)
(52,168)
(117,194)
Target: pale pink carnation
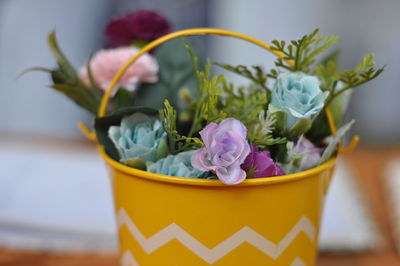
(106,63)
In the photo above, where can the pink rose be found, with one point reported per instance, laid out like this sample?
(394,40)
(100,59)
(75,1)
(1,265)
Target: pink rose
(106,63)
(225,149)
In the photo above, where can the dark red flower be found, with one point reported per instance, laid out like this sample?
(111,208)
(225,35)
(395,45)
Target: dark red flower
(140,26)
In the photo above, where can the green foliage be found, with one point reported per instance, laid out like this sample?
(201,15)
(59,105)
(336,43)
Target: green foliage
(269,140)
(122,99)
(66,80)
(218,99)
(293,156)
(205,106)
(65,69)
(302,53)
(361,74)
(331,56)
(177,143)
(135,163)
(337,82)
(334,141)
(176,73)
(243,103)
(261,133)
(301,127)
(256,74)
(319,130)
(328,74)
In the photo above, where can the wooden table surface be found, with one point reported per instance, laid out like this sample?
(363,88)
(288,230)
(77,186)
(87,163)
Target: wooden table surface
(367,165)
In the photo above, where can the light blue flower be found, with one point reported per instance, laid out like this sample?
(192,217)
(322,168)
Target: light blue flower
(300,98)
(139,139)
(177,165)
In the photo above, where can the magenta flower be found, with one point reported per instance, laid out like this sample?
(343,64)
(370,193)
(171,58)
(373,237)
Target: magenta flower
(313,154)
(225,149)
(142,25)
(259,164)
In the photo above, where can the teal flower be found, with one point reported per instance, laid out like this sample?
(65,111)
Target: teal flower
(299,97)
(139,139)
(177,165)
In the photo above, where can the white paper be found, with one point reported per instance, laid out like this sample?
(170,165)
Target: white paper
(347,224)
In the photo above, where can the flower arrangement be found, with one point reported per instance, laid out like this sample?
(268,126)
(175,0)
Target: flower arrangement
(207,126)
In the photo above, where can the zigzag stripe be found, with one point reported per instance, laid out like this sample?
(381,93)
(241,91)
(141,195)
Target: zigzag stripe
(246,234)
(296,262)
(128,260)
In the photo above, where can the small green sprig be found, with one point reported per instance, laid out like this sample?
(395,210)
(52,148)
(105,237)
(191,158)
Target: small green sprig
(256,74)
(208,89)
(244,102)
(268,140)
(361,74)
(176,142)
(294,155)
(206,105)
(328,74)
(302,53)
(261,134)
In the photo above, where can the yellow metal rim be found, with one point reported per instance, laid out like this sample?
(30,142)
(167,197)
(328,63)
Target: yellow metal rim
(213,183)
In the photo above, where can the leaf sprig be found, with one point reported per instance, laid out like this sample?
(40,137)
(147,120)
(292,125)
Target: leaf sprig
(244,102)
(208,89)
(294,155)
(206,105)
(361,74)
(301,53)
(176,142)
(256,74)
(261,134)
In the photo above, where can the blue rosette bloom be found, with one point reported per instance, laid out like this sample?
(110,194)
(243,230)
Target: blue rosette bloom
(177,165)
(299,99)
(139,139)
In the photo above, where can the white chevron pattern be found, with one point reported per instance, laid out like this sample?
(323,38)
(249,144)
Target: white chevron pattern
(246,234)
(296,262)
(128,260)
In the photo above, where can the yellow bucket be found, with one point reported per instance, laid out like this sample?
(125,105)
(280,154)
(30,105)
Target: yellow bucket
(165,220)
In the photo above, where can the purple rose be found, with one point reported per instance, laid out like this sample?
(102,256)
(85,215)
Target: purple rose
(143,25)
(225,150)
(259,164)
(312,157)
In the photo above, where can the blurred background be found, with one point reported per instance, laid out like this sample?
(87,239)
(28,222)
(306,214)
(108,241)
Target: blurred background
(37,124)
